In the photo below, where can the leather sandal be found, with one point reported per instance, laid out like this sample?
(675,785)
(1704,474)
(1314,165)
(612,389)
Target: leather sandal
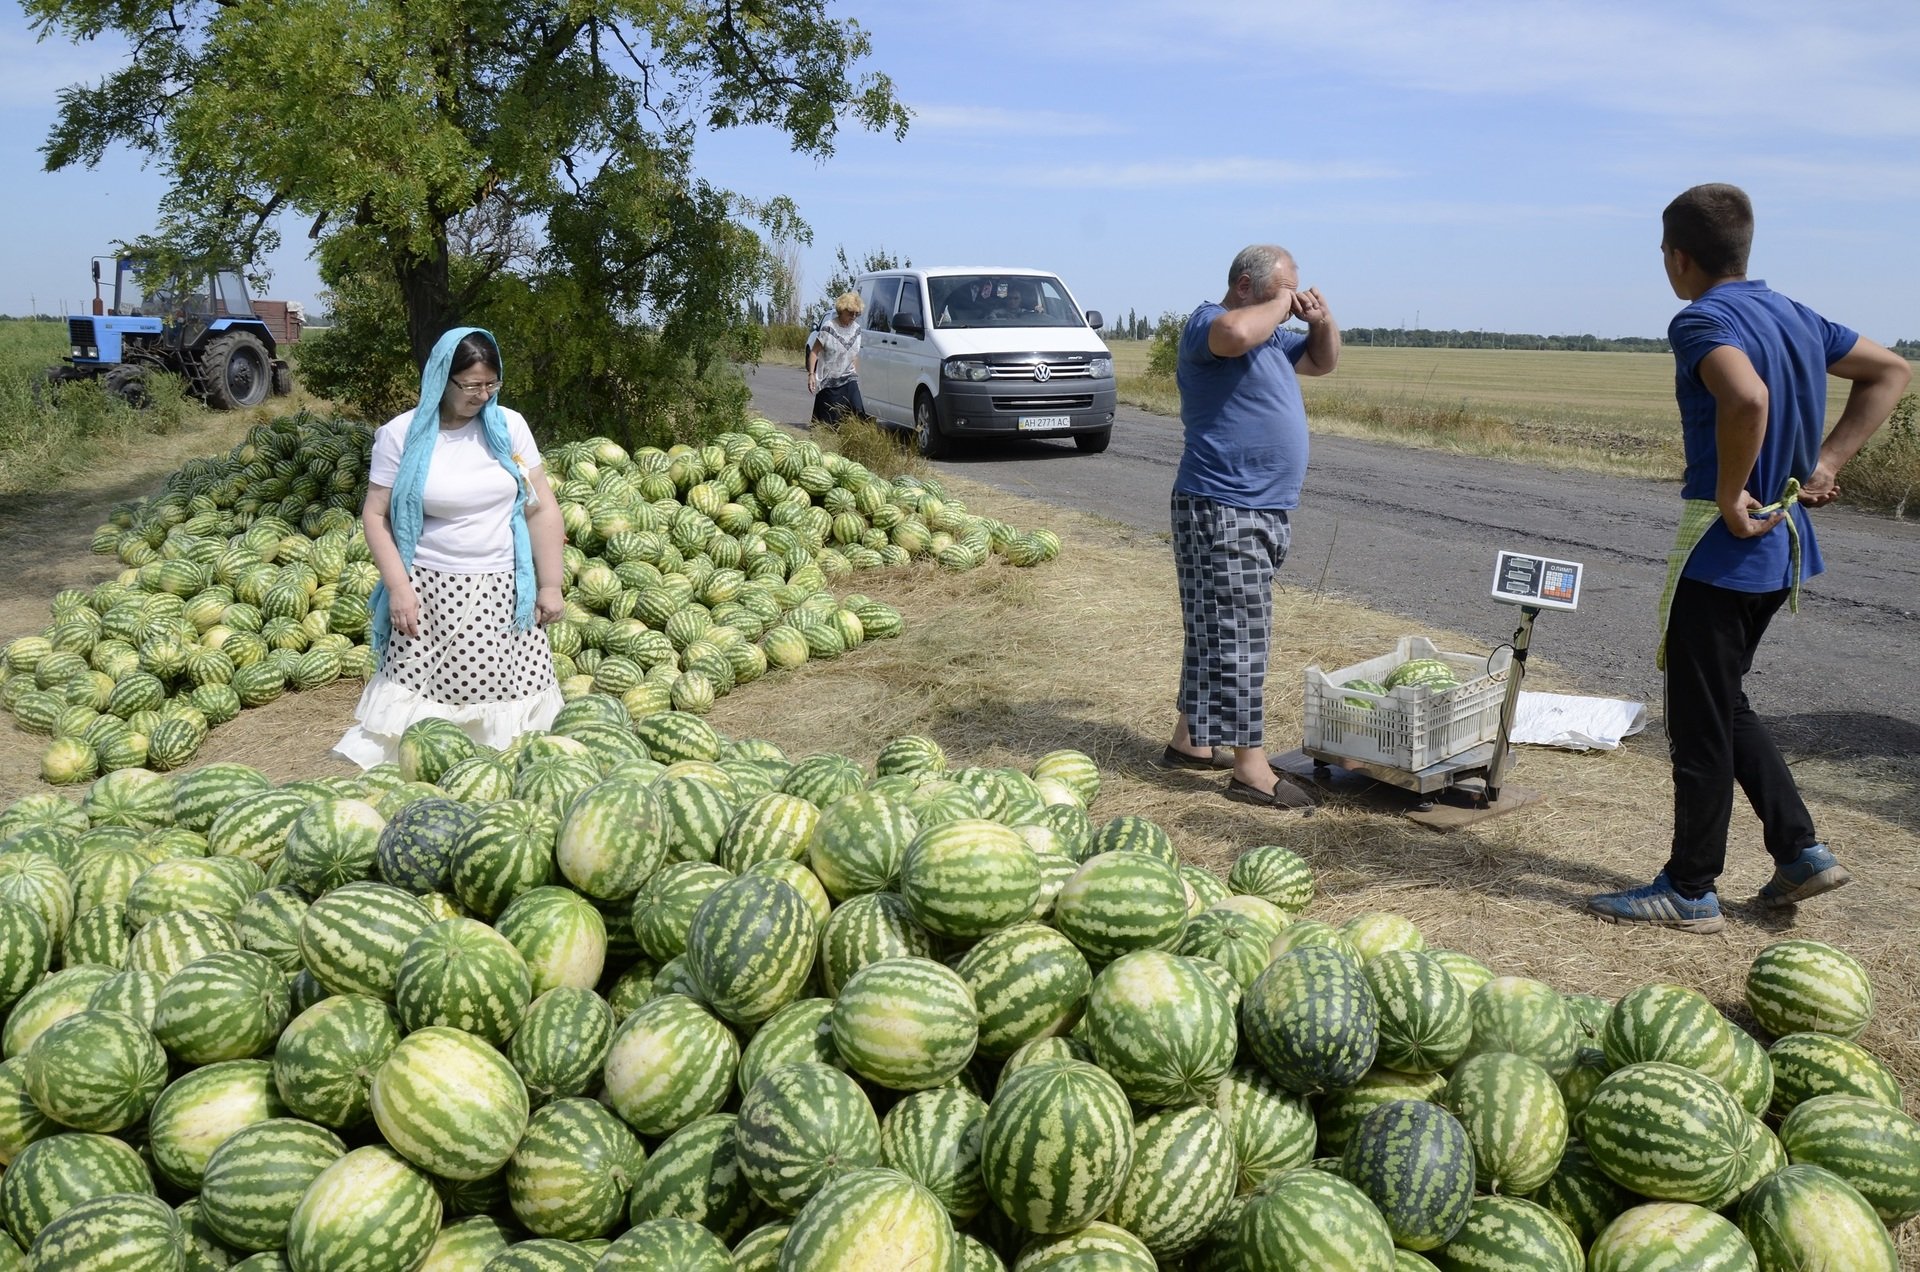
(1171,758)
(1287,793)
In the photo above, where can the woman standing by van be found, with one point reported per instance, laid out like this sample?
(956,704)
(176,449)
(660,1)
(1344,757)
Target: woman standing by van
(833,363)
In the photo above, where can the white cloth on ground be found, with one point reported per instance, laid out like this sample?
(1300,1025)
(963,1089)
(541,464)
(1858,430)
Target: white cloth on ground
(1574,723)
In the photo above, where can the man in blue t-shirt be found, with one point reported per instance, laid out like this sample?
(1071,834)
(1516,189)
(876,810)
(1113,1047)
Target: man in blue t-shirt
(1245,457)
(1752,388)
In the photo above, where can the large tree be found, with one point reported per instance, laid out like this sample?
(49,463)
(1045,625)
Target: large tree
(433,144)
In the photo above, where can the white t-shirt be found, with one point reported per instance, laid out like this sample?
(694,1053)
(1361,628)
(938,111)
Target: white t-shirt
(467,528)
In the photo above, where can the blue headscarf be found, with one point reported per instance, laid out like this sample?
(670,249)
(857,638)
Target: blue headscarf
(407,510)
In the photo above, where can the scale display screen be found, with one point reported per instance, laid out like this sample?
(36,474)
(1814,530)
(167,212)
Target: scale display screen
(1522,578)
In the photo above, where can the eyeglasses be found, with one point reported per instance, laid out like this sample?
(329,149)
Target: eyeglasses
(476,388)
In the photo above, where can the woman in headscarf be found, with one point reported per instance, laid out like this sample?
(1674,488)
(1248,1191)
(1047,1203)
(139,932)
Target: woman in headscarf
(467,536)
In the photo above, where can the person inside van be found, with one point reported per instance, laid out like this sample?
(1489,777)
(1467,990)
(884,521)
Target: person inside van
(1023,300)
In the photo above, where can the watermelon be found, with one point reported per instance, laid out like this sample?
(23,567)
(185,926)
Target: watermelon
(905,1023)
(26,949)
(429,747)
(663,909)
(256,826)
(416,847)
(669,1063)
(1122,901)
(801,1126)
(559,935)
(199,797)
(1100,1245)
(62,994)
(570,1175)
(1802,986)
(1581,1195)
(613,839)
(1425,1019)
(1875,1149)
(1056,1146)
(870,1220)
(933,1137)
(911,754)
(53,1175)
(1312,1219)
(1027,981)
(868,928)
(1413,1160)
(1670,1023)
(1526,1018)
(1665,1132)
(1509,1232)
(95,1071)
(1805,1216)
(666,1243)
(333,842)
(21,1121)
(254,1180)
(462,973)
(800,1031)
(1806,1065)
(269,924)
(750,946)
(37,882)
(1074,769)
(449,1103)
(967,878)
(697,815)
(367,1212)
(324,1065)
(562,1043)
(695,1174)
(228,1005)
(1655,1235)
(1515,1117)
(1272,1129)
(1309,1019)
(201,1109)
(1181,1179)
(128,1232)
(505,852)
(1161,1028)
(770,827)
(353,938)
(1428,673)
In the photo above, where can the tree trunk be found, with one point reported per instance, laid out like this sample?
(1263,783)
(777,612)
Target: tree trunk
(427,290)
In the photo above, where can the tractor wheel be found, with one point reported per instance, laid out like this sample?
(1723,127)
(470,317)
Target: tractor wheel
(48,383)
(282,378)
(236,370)
(129,383)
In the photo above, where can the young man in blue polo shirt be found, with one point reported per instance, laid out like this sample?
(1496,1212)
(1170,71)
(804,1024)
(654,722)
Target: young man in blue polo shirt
(1752,390)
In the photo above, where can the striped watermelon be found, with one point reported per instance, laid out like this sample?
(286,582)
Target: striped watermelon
(462,973)
(1100,1245)
(770,827)
(62,994)
(911,754)
(199,797)
(666,1243)
(255,1179)
(331,843)
(416,847)
(1425,1020)
(870,1220)
(53,1175)
(1056,1146)
(663,909)
(1522,1016)
(1131,832)
(21,1121)
(176,939)
(824,779)
(1804,1216)
(429,747)
(695,1174)
(201,1109)
(669,1063)
(507,851)
(1276,875)
(547,1254)
(324,1065)
(866,929)
(905,1023)
(449,1103)
(468,1243)
(1379,932)
(562,1043)
(801,1126)
(1664,1132)
(967,878)
(800,1031)
(95,1071)
(613,839)
(98,935)
(1581,1195)
(1122,901)
(1663,1235)
(1027,982)
(670,736)
(1074,769)
(229,1005)
(561,937)
(1312,1219)
(185,883)
(367,1212)
(26,950)
(127,1232)
(1515,1117)
(1310,1020)
(353,938)
(1806,1065)
(570,1175)
(1875,1149)
(37,882)
(1510,1232)
(750,946)
(269,924)
(1272,1128)
(1181,1179)
(697,815)
(1670,1023)
(1339,1113)
(1414,1162)
(256,826)
(933,1137)
(1802,986)
(1161,1028)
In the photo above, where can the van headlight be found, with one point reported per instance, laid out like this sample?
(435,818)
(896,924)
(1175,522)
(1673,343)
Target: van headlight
(966,369)
(1100,368)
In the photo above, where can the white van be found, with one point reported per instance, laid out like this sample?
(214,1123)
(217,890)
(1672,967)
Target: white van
(952,352)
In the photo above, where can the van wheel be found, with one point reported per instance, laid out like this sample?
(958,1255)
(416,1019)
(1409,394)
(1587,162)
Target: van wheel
(927,437)
(1095,442)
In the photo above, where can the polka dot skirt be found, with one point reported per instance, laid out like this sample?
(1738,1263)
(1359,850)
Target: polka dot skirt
(468,650)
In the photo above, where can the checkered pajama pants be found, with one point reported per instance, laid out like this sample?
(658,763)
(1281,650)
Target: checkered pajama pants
(1225,559)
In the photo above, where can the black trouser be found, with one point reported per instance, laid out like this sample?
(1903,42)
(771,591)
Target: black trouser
(829,404)
(1716,739)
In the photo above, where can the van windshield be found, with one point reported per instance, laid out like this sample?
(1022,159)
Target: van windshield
(1001,300)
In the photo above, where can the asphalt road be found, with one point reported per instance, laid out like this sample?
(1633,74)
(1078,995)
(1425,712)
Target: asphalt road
(1413,532)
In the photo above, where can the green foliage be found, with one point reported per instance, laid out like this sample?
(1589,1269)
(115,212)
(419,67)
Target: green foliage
(786,337)
(845,271)
(476,154)
(1164,358)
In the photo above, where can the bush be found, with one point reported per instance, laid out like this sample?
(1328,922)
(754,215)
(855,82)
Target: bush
(1163,359)
(1885,475)
(789,337)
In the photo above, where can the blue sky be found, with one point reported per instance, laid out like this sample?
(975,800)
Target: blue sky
(1456,163)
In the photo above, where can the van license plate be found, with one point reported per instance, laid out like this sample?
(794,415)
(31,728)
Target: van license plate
(1044,423)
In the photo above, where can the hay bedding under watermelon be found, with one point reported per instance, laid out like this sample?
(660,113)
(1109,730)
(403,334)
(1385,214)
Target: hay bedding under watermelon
(1003,665)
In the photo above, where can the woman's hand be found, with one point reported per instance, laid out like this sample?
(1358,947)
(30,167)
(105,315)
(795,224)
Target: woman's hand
(547,605)
(813,382)
(403,608)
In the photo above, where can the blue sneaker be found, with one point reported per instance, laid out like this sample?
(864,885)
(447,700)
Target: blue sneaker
(1813,872)
(1658,905)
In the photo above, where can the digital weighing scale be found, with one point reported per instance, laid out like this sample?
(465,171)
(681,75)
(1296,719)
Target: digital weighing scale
(1471,787)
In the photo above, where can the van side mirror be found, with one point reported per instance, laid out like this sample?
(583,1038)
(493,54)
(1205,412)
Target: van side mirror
(908,327)
(1094,319)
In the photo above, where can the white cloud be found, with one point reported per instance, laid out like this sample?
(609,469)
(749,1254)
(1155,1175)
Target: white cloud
(949,117)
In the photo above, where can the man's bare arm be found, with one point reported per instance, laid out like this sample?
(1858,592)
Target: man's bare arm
(1879,377)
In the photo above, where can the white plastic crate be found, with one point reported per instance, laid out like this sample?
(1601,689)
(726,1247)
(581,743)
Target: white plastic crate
(1412,727)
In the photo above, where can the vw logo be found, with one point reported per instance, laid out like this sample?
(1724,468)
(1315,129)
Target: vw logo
(1042,372)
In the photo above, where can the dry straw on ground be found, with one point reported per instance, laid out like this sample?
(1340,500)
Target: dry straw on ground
(1002,665)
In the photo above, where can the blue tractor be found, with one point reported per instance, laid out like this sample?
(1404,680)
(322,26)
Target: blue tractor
(208,336)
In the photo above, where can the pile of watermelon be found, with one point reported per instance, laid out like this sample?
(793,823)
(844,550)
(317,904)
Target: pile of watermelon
(631,995)
(687,572)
